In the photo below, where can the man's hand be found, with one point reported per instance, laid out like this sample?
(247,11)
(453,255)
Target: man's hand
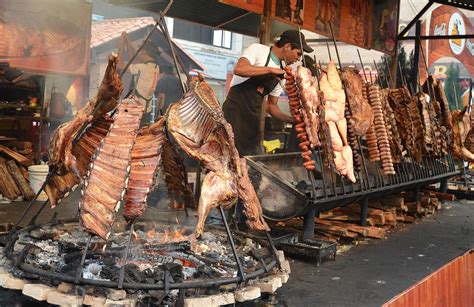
(243,68)
(274,110)
(276,71)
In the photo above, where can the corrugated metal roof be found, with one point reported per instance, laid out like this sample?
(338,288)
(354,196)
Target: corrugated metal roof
(207,12)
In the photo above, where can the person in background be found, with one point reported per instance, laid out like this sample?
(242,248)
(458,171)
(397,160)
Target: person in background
(168,90)
(144,71)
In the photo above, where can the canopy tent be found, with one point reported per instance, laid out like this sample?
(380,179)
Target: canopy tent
(206,12)
(106,33)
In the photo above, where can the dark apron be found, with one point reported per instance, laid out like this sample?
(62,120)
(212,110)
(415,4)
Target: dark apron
(242,109)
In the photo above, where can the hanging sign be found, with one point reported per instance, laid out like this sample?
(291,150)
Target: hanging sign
(352,21)
(445,20)
(46,36)
(385,26)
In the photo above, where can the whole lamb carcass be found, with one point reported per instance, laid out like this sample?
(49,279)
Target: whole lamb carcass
(335,102)
(197,123)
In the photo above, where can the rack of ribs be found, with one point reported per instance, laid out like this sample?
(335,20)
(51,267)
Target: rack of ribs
(144,165)
(70,161)
(335,101)
(108,175)
(197,124)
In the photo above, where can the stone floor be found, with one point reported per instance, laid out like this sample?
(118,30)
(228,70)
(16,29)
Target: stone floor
(366,275)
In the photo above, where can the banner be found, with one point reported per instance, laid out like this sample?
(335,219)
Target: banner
(254,6)
(352,21)
(46,36)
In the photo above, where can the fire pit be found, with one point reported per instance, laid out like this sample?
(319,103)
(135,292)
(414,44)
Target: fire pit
(154,262)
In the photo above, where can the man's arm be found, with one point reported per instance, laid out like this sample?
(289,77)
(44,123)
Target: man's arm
(274,110)
(243,68)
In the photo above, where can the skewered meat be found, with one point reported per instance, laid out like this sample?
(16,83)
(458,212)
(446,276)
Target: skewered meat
(309,97)
(303,132)
(107,179)
(374,153)
(145,159)
(425,119)
(398,100)
(352,139)
(418,130)
(461,127)
(437,110)
(197,123)
(362,115)
(396,147)
(375,101)
(335,101)
(445,114)
(469,142)
(70,161)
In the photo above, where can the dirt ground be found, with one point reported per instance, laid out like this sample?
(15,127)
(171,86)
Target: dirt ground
(366,275)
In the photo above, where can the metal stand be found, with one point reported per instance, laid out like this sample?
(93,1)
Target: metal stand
(125,257)
(364,206)
(416,194)
(232,244)
(197,184)
(33,219)
(308,224)
(8,238)
(83,260)
(443,188)
(273,249)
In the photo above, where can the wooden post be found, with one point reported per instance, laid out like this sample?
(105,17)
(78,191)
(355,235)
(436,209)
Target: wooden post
(265,38)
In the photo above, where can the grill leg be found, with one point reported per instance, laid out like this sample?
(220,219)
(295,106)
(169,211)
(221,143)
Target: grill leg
(272,248)
(443,188)
(416,194)
(308,224)
(231,241)
(364,205)
(33,219)
(125,258)
(83,260)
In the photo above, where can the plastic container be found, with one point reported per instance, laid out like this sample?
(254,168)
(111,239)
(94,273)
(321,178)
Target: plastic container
(38,175)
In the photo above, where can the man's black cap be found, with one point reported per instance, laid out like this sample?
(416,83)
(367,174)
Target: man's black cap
(293,37)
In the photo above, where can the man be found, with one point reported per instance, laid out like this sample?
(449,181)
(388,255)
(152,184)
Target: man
(168,89)
(259,73)
(145,71)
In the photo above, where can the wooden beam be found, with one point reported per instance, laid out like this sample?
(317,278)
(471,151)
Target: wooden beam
(223,23)
(425,37)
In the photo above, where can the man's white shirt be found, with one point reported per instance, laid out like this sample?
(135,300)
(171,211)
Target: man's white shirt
(257,55)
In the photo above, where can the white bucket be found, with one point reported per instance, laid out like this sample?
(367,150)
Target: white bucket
(38,175)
